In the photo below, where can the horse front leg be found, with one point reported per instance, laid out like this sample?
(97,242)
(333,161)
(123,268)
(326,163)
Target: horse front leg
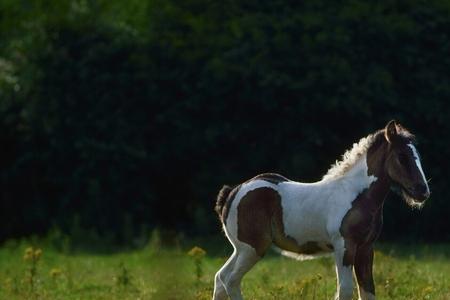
(344,253)
(363,271)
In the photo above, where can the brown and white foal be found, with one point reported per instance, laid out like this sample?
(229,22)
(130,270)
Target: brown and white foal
(342,213)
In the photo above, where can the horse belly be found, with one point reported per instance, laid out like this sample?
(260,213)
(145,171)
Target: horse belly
(305,224)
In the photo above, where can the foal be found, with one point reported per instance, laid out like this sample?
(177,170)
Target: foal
(342,213)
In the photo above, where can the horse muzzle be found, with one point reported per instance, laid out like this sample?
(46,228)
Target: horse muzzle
(420,192)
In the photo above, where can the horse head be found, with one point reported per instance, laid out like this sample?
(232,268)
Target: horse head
(403,164)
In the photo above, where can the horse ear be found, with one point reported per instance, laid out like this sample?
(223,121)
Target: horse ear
(390,132)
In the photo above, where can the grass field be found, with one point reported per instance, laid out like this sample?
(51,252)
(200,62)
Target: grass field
(155,272)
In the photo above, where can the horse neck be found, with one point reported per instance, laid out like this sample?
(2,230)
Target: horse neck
(375,195)
(377,191)
(368,176)
(358,178)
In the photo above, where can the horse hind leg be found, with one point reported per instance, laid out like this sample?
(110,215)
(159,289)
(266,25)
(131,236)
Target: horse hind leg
(250,241)
(246,257)
(219,287)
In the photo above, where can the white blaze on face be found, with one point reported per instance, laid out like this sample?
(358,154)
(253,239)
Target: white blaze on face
(419,165)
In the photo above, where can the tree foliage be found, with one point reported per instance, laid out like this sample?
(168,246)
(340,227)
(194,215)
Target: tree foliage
(119,115)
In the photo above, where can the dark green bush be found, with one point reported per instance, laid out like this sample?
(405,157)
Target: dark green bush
(128,115)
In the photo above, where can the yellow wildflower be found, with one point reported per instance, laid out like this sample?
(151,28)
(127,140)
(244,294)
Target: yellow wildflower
(32,254)
(197,252)
(55,272)
(28,255)
(37,254)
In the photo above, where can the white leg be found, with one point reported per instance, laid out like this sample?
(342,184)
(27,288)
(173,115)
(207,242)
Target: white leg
(344,272)
(246,258)
(219,288)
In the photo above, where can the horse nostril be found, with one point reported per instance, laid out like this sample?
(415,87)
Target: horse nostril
(421,189)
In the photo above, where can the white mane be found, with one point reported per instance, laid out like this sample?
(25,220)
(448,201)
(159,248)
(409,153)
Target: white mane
(350,157)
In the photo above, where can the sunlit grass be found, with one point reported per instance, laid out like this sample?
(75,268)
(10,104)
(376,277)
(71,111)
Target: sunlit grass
(155,272)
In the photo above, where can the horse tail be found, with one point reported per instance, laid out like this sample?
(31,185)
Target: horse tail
(222,200)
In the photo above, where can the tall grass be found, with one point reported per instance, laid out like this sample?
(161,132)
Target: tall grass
(160,272)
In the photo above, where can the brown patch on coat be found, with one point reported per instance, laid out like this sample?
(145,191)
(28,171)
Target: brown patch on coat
(349,253)
(270,177)
(259,215)
(363,268)
(376,155)
(329,247)
(362,224)
(260,222)
(227,194)
(310,248)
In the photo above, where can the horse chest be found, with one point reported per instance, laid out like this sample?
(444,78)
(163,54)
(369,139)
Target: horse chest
(361,225)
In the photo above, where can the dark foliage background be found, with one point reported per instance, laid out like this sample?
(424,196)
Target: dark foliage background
(117,117)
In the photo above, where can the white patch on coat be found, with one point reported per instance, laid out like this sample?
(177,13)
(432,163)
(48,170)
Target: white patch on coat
(314,211)
(419,165)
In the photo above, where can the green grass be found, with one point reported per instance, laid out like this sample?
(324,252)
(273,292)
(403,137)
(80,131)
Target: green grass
(401,272)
